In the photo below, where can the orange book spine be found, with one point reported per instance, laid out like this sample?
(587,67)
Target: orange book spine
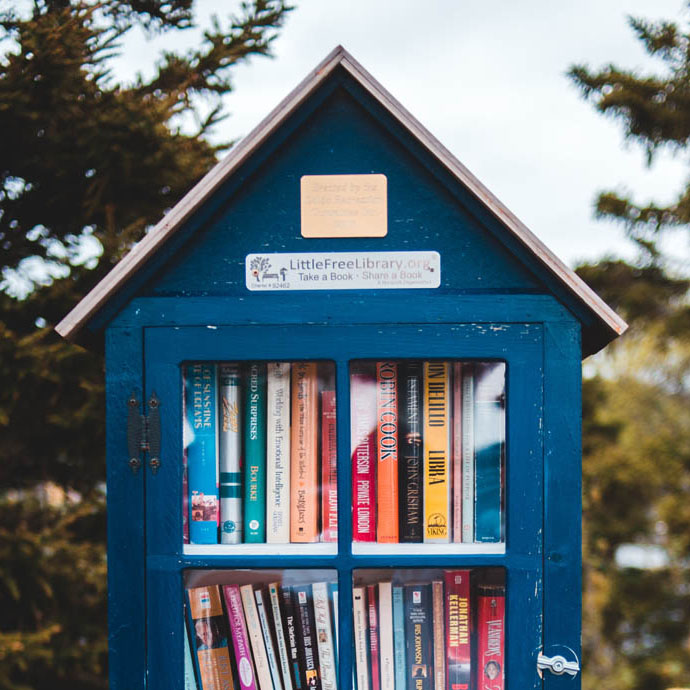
(304,461)
(387,451)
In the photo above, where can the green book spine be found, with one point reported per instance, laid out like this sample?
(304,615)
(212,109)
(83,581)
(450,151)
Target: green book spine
(255,454)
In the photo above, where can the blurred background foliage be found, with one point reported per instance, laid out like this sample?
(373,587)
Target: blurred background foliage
(78,155)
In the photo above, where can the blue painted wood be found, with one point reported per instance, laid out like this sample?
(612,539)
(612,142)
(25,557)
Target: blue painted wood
(126,571)
(563,497)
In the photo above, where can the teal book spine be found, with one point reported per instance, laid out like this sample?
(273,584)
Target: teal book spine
(255,454)
(399,637)
(230,454)
(201,393)
(489,434)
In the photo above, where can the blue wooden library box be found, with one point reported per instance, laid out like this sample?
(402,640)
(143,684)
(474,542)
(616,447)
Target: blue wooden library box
(343,392)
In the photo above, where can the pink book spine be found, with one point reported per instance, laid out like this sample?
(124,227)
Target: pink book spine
(457,453)
(374,638)
(363,441)
(240,637)
(491,611)
(329,467)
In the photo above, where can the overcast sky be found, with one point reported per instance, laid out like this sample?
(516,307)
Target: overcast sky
(487,78)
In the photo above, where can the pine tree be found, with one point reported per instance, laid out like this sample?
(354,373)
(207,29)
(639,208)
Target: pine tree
(82,156)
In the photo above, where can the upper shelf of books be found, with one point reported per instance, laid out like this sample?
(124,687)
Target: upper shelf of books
(427,442)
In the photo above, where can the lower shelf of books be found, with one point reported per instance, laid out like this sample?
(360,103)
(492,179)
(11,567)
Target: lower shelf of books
(413,629)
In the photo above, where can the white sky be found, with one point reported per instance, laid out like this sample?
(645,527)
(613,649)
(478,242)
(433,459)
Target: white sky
(487,78)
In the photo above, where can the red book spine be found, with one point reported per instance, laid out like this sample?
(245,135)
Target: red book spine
(458,646)
(374,637)
(491,607)
(329,468)
(363,441)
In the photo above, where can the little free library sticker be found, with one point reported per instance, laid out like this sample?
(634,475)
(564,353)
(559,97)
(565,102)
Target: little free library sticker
(343,271)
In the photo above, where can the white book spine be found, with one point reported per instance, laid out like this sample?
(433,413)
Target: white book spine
(360,615)
(467,454)
(230,454)
(278,453)
(256,638)
(283,654)
(386,650)
(268,640)
(324,638)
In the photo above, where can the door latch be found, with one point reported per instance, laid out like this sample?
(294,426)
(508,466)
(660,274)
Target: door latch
(558,665)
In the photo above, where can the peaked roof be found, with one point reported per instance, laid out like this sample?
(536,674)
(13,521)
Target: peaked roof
(610,324)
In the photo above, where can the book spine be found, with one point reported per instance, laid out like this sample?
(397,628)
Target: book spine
(240,637)
(489,422)
(467,453)
(189,679)
(324,635)
(439,636)
(304,499)
(256,638)
(410,491)
(255,455)
(387,654)
(456,483)
(202,462)
(333,591)
(290,626)
(281,642)
(329,468)
(418,637)
(261,609)
(387,452)
(360,618)
(363,442)
(436,452)
(491,638)
(186,440)
(374,648)
(278,453)
(458,645)
(210,638)
(306,635)
(230,454)
(399,637)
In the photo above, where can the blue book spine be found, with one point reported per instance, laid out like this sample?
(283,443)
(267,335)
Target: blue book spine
(399,637)
(255,455)
(333,591)
(201,394)
(489,433)
(189,679)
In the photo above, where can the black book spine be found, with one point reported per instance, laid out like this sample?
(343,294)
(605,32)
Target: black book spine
(306,635)
(290,627)
(410,476)
(418,637)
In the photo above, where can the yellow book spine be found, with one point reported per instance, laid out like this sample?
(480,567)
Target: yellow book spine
(437,452)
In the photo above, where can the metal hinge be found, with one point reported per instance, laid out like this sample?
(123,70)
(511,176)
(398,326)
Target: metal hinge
(144,433)
(557,664)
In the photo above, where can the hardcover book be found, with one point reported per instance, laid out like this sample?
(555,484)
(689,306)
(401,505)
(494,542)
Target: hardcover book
(491,637)
(329,467)
(304,480)
(439,636)
(411,448)
(374,648)
(202,461)
(255,455)
(418,637)
(281,638)
(306,635)
(240,637)
(209,638)
(387,452)
(458,617)
(467,453)
(278,453)
(361,635)
(363,443)
(324,635)
(230,454)
(262,610)
(436,452)
(256,638)
(386,648)
(489,432)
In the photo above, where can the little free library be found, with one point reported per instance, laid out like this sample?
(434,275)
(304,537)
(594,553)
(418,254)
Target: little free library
(343,419)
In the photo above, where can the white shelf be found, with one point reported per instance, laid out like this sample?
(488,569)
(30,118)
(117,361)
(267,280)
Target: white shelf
(376,549)
(327,549)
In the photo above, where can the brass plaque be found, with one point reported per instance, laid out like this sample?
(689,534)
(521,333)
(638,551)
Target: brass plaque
(344,206)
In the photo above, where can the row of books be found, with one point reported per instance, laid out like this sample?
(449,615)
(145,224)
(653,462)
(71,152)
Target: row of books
(249,637)
(446,634)
(260,453)
(428,440)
